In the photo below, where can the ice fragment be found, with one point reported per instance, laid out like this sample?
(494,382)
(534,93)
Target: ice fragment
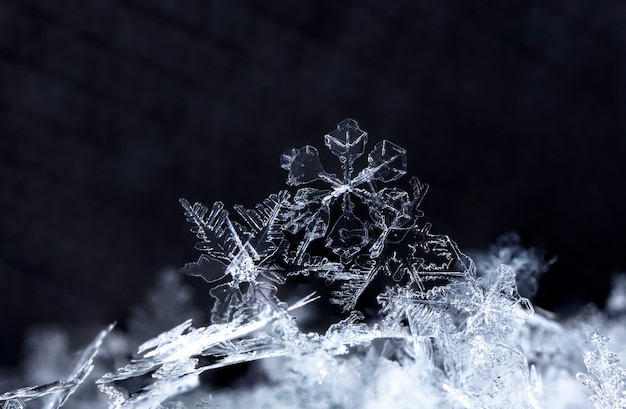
(606,378)
(55,394)
(434,313)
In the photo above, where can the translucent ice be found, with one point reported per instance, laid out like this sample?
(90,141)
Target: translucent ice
(368,232)
(606,378)
(446,334)
(55,394)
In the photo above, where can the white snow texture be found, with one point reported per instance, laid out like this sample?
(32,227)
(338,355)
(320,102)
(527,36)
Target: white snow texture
(448,332)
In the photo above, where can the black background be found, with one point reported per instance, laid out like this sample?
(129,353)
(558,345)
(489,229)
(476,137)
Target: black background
(513,112)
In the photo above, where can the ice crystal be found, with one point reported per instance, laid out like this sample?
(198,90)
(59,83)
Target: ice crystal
(528,264)
(55,394)
(606,378)
(434,304)
(446,334)
(389,241)
(243,252)
(390,209)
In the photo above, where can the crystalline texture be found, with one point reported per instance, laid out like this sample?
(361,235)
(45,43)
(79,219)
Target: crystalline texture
(434,315)
(172,358)
(443,337)
(606,378)
(242,252)
(55,394)
(347,141)
(303,165)
(348,234)
(387,162)
(385,240)
(390,242)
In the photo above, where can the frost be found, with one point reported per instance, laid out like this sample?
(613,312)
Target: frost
(434,310)
(55,394)
(528,264)
(385,239)
(446,332)
(389,209)
(172,358)
(369,233)
(606,378)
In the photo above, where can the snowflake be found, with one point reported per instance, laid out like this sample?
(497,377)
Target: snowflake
(397,245)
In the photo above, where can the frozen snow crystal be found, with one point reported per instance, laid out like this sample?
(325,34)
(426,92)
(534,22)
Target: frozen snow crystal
(172,358)
(444,334)
(55,394)
(369,232)
(606,378)
(384,238)
(390,209)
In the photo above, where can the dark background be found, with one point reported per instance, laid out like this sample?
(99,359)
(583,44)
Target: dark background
(513,112)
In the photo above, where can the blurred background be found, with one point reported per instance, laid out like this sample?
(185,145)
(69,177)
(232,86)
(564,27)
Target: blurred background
(513,112)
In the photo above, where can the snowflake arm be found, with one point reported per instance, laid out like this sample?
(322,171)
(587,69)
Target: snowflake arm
(606,378)
(58,392)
